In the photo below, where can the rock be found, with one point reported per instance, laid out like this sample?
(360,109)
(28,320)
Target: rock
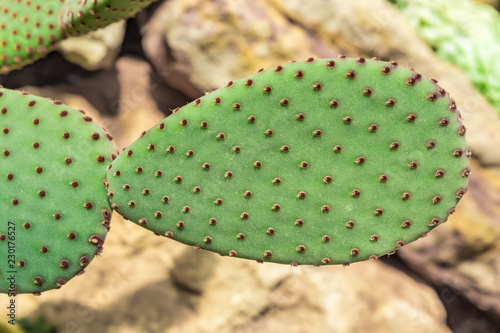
(243,296)
(135,287)
(138,111)
(201,45)
(464,253)
(95,50)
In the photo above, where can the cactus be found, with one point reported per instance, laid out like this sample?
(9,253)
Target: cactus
(29,29)
(328,161)
(54,210)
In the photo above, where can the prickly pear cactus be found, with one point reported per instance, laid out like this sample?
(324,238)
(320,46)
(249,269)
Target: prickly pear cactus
(326,161)
(29,29)
(54,210)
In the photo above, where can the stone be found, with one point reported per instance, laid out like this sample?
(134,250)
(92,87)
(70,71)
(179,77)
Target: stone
(141,286)
(200,45)
(95,50)
(243,296)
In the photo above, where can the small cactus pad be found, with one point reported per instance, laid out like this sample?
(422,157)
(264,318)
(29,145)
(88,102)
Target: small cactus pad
(54,209)
(29,29)
(323,161)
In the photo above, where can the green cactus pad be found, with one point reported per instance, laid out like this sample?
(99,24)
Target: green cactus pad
(323,161)
(29,29)
(79,17)
(54,210)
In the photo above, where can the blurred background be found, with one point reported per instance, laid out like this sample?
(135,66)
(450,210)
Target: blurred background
(130,75)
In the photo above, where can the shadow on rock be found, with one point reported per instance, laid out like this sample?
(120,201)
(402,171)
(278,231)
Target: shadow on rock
(153,308)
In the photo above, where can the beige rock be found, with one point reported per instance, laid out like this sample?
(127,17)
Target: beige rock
(95,50)
(368,297)
(137,110)
(151,284)
(209,43)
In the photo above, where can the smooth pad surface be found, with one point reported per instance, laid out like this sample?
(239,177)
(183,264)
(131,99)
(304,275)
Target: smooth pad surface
(324,161)
(54,210)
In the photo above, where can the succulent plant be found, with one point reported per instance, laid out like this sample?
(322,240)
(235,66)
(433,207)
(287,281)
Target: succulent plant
(54,209)
(29,29)
(327,161)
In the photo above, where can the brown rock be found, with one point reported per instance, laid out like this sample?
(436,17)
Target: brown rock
(236,295)
(138,111)
(209,43)
(134,290)
(243,296)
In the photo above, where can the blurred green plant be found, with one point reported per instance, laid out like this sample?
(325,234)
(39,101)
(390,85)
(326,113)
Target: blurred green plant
(37,325)
(463,33)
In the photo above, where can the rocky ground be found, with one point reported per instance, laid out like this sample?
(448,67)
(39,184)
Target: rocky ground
(174,52)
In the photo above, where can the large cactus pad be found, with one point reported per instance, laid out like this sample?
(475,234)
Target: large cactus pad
(323,161)
(54,211)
